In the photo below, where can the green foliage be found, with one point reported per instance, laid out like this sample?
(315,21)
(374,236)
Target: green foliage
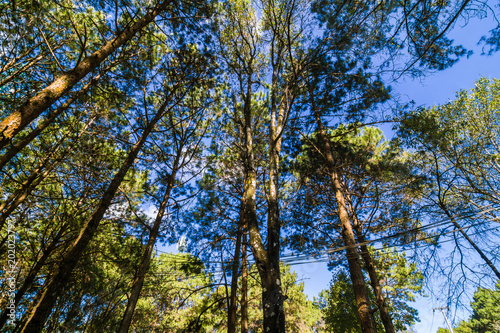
(339,305)
(461,136)
(179,296)
(485,316)
(376,175)
(400,283)
(216,69)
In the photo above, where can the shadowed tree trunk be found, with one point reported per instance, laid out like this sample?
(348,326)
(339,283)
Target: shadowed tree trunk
(57,281)
(46,253)
(267,260)
(355,269)
(244,286)
(146,258)
(231,316)
(38,175)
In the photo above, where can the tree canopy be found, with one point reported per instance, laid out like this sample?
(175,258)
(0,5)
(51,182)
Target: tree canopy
(249,129)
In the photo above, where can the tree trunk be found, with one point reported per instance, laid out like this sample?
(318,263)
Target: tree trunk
(42,310)
(359,286)
(375,283)
(269,270)
(244,286)
(37,176)
(30,110)
(272,295)
(146,258)
(33,273)
(267,260)
(18,146)
(370,267)
(358,282)
(231,315)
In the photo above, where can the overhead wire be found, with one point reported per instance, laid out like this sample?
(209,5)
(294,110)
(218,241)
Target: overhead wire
(293,260)
(323,256)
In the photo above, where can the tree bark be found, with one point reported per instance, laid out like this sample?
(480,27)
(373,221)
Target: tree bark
(37,176)
(358,282)
(231,315)
(370,267)
(272,295)
(356,273)
(244,286)
(30,110)
(18,146)
(146,258)
(267,260)
(375,283)
(57,281)
(33,273)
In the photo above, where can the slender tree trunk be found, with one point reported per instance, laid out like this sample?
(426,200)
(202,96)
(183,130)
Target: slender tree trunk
(359,286)
(146,258)
(267,260)
(231,315)
(471,242)
(30,110)
(244,286)
(40,263)
(370,267)
(358,282)
(375,283)
(57,282)
(274,315)
(29,309)
(28,281)
(272,294)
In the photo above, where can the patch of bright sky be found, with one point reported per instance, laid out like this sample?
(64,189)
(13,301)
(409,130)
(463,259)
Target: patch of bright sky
(441,87)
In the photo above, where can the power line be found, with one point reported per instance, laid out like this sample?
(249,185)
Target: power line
(321,256)
(318,257)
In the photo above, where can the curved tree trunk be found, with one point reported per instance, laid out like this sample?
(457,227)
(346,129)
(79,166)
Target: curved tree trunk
(362,301)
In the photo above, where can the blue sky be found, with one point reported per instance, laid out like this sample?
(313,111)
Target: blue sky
(436,88)
(440,88)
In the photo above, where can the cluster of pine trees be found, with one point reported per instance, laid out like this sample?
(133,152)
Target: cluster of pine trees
(249,129)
